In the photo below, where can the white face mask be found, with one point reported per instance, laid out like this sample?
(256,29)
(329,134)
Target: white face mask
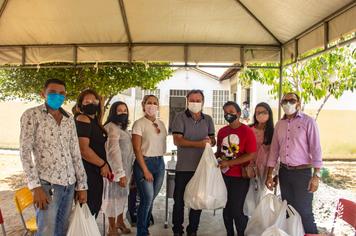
(289,108)
(195,107)
(151,110)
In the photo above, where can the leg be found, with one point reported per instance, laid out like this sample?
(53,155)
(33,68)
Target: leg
(227,215)
(181,180)
(66,194)
(95,192)
(304,199)
(239,189)
(146,191)
(46,219)
(194,219)
(287,191)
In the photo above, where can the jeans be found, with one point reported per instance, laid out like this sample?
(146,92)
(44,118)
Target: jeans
(181,180)
(147,190)
(55,219)
(294,189)
(237,189)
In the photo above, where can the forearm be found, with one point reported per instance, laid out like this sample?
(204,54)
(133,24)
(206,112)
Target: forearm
(90,156)
(140,159)
(242,159)
(182,142)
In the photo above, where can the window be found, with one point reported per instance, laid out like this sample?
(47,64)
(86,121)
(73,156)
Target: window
(220,97)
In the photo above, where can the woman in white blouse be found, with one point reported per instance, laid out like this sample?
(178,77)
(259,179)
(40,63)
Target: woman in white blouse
(120,156)
(149,143)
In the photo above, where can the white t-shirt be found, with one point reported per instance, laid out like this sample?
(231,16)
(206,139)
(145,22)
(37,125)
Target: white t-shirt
(153,144)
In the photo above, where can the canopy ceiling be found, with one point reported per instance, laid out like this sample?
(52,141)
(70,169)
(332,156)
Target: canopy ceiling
(183,31)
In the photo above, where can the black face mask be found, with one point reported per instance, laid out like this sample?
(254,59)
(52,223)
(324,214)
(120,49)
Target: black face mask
(230,117)
(90,109)
(122,118)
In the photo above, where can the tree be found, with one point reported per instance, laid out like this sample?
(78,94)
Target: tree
(108,81)
(319,78)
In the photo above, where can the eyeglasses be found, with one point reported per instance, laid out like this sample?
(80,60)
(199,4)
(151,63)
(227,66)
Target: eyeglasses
(157,128)
(291,101)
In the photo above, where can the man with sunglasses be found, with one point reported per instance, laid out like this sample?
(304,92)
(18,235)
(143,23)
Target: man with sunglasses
(55,172)
(191,129)
(296,145)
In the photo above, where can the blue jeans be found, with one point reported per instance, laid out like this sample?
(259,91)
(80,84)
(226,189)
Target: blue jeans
(55,219)
(147,191)
(294,189)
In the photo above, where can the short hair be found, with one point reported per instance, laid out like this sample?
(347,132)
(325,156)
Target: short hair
(146,97)
(234,104)
(54,81)
(293,93)
(194,91)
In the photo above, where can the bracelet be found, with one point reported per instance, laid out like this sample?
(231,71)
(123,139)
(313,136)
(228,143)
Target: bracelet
(102,165)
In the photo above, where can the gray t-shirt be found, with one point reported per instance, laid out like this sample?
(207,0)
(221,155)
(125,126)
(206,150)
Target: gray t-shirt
(189,157)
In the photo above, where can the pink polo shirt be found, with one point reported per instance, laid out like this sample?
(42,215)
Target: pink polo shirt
(296,142)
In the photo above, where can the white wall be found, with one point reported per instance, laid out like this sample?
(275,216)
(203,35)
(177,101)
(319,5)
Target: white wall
(190,79)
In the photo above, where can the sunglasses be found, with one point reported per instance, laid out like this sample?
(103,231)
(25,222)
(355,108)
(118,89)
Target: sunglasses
(291,101)
(157,128)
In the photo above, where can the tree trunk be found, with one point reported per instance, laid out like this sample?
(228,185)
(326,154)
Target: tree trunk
(107,103)
(322,105)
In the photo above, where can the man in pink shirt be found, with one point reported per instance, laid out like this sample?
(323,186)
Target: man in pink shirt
(296,145)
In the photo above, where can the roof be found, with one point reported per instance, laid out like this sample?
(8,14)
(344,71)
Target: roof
(189,31)
(205,73)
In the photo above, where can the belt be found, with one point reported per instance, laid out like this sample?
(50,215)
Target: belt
(307,166)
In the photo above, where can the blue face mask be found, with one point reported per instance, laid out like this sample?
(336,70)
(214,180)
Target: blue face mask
(55,100)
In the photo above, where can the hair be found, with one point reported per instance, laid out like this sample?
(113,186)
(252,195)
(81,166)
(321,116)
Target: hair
(195,91)
(79,104)
(113,112)
(234,104)
(146,97)
(269,129)
(294,93)
(245,102)
(54,81)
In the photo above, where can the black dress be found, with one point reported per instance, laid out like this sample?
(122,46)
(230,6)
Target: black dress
(97,139)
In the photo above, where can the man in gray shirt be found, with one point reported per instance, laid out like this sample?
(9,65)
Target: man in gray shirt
(191,131)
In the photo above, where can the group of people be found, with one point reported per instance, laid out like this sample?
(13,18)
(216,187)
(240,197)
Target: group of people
(78,157)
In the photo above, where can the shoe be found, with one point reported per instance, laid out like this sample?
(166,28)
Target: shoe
(113,232)
(192,234)
(123,229)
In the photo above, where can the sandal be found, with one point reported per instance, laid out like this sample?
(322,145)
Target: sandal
(113,232)
(123,229)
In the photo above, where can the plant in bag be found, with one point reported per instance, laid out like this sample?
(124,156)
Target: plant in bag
(82,222)
(206,189)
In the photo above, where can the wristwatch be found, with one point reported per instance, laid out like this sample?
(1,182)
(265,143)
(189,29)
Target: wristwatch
(317,174)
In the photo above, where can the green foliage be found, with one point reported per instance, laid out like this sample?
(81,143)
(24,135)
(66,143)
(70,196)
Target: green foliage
(107,81)
(331,73)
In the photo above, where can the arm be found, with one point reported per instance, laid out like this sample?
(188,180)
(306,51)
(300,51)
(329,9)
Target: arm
(238,161)
(28,129)
(180,141)
(136,143)
(113,152)
(77,161)
(315,151)
(272,160)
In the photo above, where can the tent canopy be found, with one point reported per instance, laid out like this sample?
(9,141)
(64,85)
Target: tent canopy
(33,32)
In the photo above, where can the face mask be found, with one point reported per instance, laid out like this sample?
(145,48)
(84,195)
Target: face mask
(263,118)
(151,110)
(289,108)
(55,100)
(90,109)
(121,118)
(230,117)
(195,107)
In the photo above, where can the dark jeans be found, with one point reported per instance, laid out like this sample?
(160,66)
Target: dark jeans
(294,189)
(147,191)
(181,180)
(237,189)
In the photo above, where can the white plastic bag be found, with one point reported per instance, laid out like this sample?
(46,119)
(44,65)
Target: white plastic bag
(82,222)
(293,224)
(265,215)
(274,231)
(206,189)
(255,194)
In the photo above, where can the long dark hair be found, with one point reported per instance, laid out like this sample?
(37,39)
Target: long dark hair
(113,112)
(79,104)
(269,129)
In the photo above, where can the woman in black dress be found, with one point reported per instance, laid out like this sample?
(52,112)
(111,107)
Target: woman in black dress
(92,138)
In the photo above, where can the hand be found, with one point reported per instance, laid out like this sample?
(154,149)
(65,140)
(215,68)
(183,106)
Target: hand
(105,171)
(148,176)
(223,164)
(123,182)
(270,183)
(81,196)
(313,184)
(275,179)
(40,198)
(205,141)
